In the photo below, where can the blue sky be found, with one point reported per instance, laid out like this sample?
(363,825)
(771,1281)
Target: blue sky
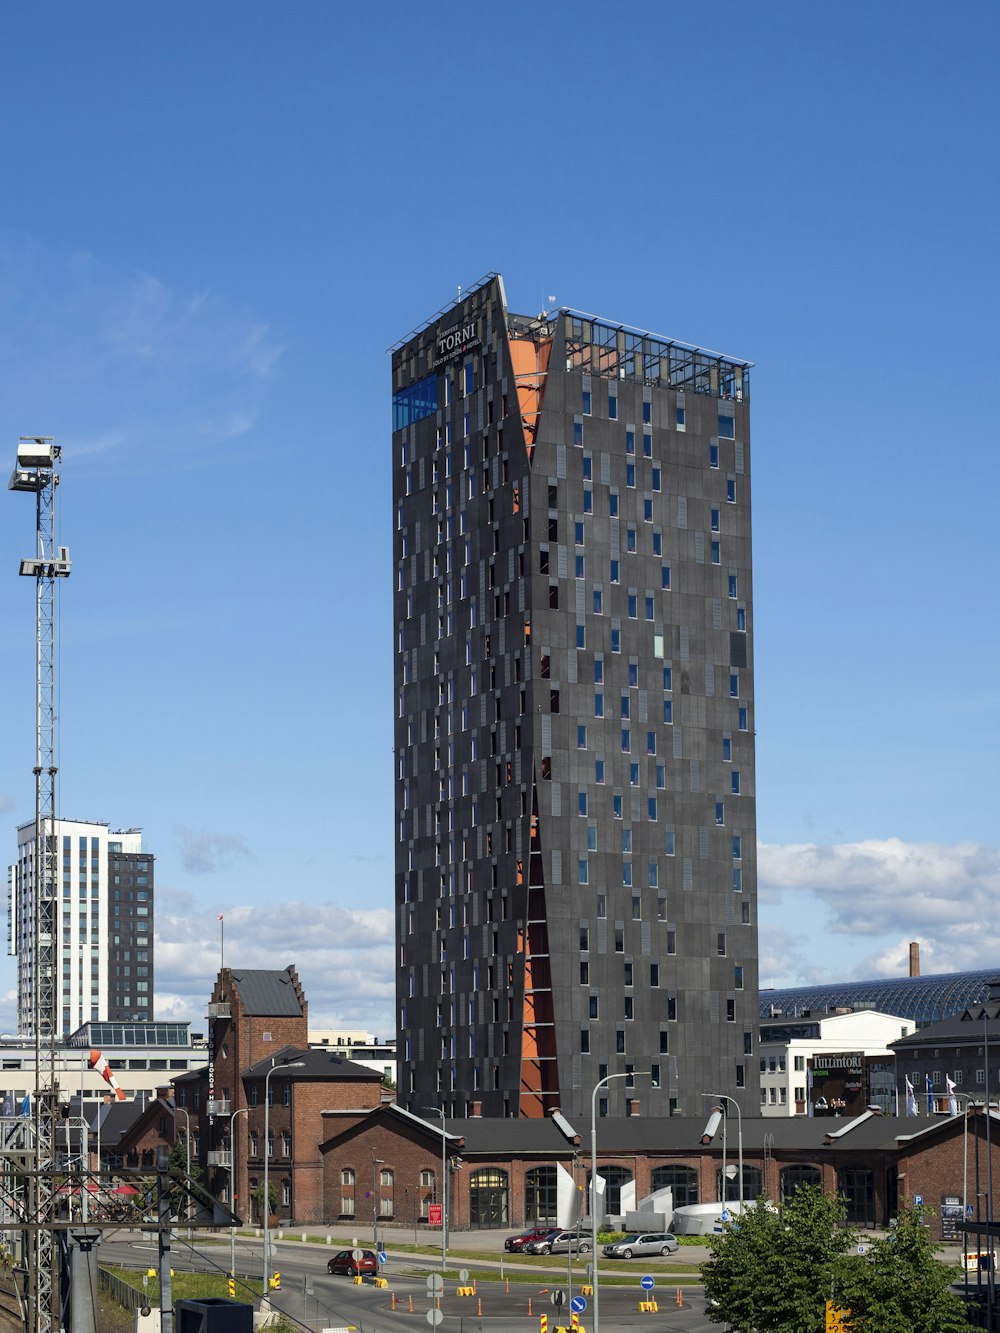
(215,219)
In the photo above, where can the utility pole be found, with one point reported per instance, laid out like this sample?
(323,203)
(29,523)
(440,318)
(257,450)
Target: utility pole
(35,473)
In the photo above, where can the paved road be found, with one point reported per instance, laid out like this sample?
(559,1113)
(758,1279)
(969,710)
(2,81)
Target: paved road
(336,1302)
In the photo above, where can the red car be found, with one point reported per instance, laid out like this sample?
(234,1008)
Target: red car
(344,1262)
(517,1243)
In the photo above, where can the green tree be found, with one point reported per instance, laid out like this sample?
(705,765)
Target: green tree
(177,1161)
(772,1271)
(898,1286)
(257,1194)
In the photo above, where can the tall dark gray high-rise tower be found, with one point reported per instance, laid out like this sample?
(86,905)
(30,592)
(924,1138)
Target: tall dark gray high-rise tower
(575,800)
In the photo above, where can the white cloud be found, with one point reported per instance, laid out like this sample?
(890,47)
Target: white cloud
(204,852)
(121,362)
(885,892)
(344,957)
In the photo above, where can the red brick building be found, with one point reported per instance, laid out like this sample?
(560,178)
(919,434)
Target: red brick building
(258,1021)
(512,1173)
(157,1125)
(339,1150)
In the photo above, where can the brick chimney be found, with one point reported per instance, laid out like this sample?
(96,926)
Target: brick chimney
(914,959)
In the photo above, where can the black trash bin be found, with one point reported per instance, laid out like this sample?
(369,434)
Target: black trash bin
(213,1314)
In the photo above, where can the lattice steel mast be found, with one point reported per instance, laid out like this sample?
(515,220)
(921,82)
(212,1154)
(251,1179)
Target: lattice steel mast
(35,471)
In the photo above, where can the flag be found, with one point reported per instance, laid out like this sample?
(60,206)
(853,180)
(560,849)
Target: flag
(930,1095)
(8,1106)
(220,916)
(952,1099)
(911,1099)
(26,1105)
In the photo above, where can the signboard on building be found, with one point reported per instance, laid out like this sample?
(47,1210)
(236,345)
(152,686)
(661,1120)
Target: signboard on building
(952,1212)
(837,1083)
(455,341)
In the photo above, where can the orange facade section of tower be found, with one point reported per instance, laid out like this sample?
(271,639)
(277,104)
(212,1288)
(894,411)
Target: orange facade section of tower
(531,365)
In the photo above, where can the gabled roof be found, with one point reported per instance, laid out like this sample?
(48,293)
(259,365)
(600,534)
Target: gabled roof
(361,1121)
(116,1118)
(149,1114)
(268,994)
(320,1064)
(965,1029)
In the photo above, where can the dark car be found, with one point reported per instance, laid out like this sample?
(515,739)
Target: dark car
(518,1242)
(344,1262)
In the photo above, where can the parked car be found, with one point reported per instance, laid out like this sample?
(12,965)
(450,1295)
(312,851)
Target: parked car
(640,1243)
(344,1262)
(518,1242)
(560,1242)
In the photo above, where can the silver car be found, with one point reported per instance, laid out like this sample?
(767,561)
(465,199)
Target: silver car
(640,1243)
(561,1242)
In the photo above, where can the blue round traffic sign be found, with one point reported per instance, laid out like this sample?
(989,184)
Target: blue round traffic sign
(382,1257)
(725,1214)
(647,1283)
(578,1304)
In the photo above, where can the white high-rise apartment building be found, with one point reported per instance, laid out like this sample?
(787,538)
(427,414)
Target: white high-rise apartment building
(104,886)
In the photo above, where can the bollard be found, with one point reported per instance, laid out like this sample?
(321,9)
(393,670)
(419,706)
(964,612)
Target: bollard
(680,1298)
(479,1308)
(304,1238)
(507,1286)
(393,1305)
(574,1322)
(411,1305)
(329,1240)
(529,1307)
(232,1287)
(543,1320)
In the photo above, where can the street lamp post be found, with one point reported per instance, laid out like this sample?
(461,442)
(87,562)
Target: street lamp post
(243,1110)
(296,1064)
(593,1188)
(721,1097)
(376,1193)
(439,1110)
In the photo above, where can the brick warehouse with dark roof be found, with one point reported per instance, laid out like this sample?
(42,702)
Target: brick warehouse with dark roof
(499,1171)
(341,1151)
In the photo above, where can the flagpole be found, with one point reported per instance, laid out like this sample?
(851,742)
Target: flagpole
(222,942)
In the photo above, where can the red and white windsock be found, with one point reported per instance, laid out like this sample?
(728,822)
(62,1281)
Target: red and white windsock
(98,1062)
